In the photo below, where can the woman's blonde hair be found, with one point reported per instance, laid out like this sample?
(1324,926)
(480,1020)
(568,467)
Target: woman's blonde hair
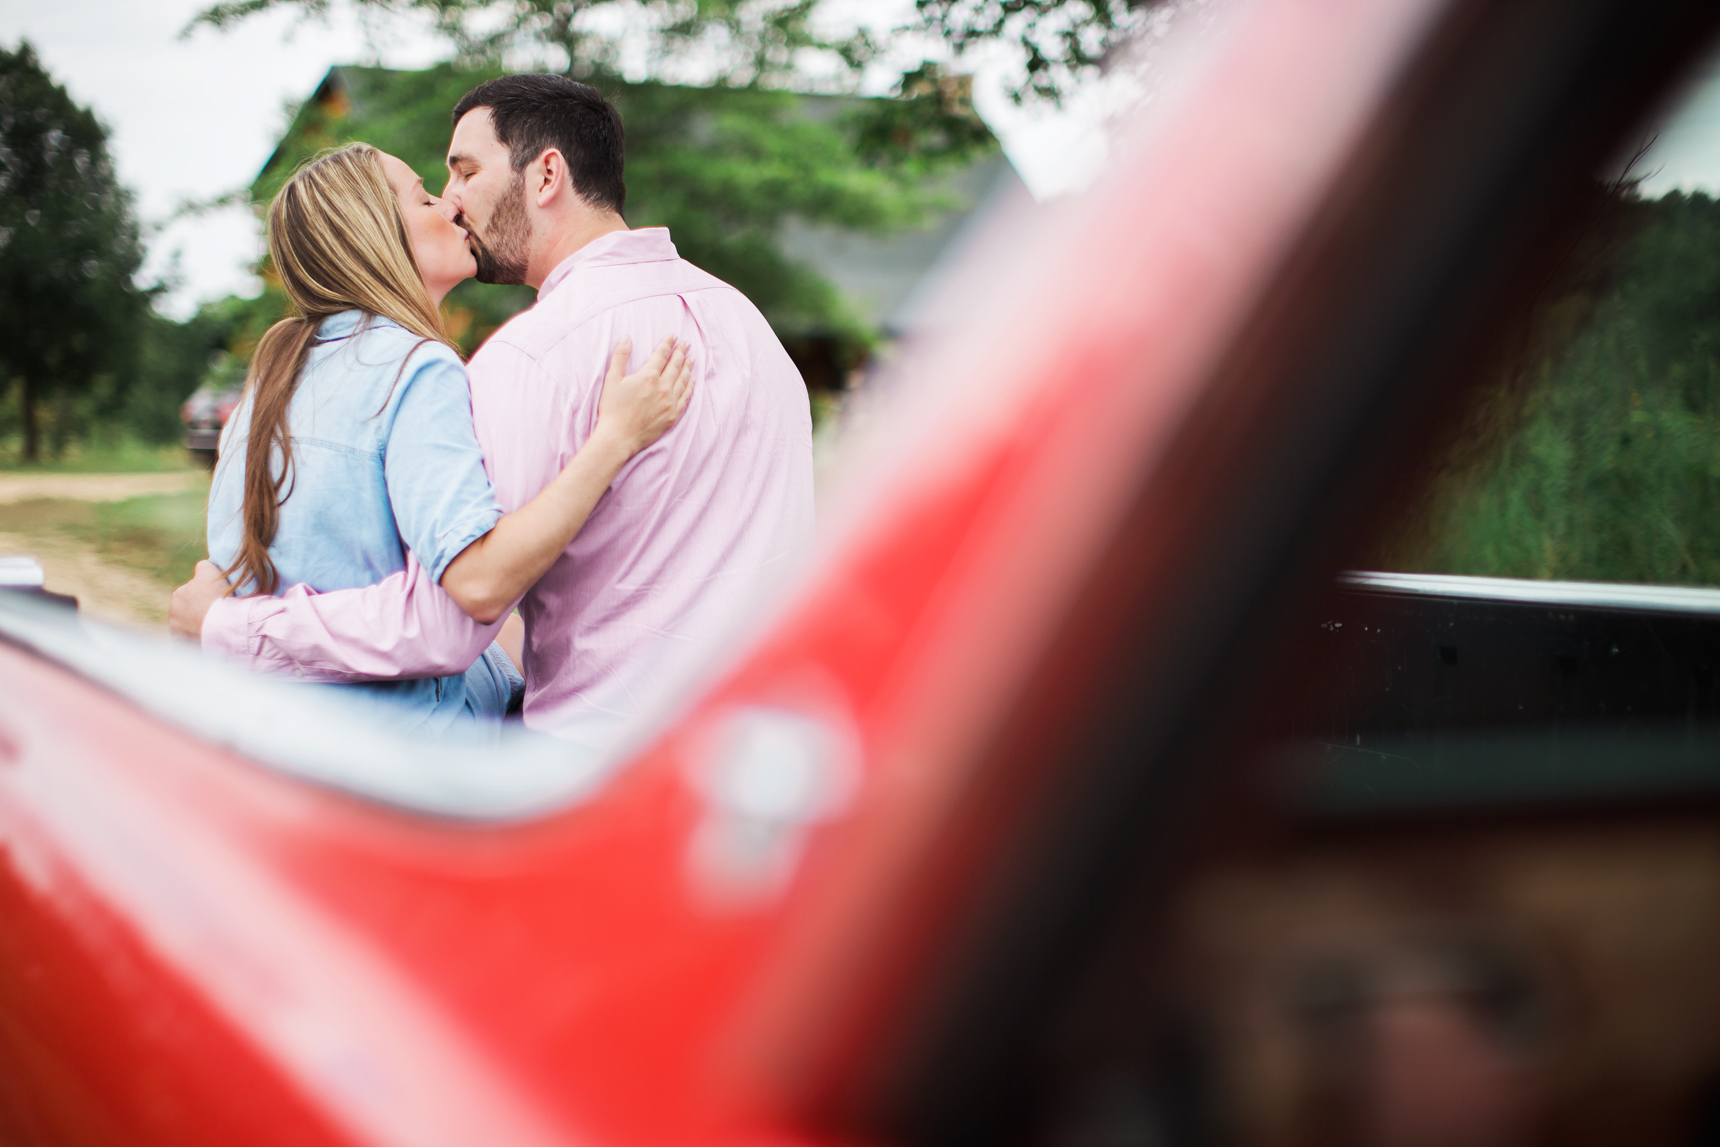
(339,243)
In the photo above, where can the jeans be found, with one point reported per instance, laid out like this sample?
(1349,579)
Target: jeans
(494,687)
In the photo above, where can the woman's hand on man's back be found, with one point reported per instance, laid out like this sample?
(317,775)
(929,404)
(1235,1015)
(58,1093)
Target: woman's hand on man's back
(637,409)
(491,574)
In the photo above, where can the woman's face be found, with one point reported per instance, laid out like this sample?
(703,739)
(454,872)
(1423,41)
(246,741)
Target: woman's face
(444,256)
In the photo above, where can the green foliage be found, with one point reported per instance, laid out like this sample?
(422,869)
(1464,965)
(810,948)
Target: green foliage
(722,168)
(1609,467)
(930,127)
(406,115)
(1061,42)
(736,42)
(124,417)
(757,43)
(70,313)
(403,113)
(173,359)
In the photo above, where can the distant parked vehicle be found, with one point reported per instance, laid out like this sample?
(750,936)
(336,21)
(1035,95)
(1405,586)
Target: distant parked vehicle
(204,414)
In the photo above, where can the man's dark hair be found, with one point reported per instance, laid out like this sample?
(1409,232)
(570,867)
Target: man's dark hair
(533,113)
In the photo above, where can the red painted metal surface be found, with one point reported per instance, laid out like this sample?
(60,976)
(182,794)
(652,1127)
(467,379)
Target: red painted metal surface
(195,950)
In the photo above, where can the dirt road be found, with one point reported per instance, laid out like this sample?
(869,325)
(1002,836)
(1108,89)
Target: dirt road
(105,590)
(97,487)
(37,508)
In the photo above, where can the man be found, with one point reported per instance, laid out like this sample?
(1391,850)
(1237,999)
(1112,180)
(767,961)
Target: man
(688,530)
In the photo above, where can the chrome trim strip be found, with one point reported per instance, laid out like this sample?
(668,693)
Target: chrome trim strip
(1592,595)
(307,731)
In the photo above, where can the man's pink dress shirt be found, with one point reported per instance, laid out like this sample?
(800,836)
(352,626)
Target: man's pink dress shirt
(687,535)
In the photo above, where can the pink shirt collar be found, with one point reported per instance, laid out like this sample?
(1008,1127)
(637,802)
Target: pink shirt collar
(618,248)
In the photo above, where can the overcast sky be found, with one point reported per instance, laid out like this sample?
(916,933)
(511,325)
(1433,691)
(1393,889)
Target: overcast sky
(195,117)
(1686,152)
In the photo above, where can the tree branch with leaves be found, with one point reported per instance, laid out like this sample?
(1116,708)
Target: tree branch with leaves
(738,42)
(1062,43)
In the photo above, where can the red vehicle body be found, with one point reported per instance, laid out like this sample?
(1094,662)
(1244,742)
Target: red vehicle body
(847,889)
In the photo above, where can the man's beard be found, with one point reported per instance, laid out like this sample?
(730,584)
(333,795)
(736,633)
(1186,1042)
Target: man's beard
(501,251)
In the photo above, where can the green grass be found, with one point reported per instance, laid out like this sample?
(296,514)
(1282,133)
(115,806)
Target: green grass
(122,456)
(1613,476)
(1598,459)
(160,536)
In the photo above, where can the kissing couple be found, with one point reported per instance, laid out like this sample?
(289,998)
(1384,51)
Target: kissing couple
(379,508)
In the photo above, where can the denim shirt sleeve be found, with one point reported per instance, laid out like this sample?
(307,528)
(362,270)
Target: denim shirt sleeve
(433,466)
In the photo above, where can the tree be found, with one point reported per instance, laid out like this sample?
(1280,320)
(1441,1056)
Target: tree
(724,167)
(69,245)
(1061,42)
(173,357)
(735,42)
(754,42)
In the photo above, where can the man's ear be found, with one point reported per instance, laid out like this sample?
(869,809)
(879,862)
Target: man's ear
(549,177)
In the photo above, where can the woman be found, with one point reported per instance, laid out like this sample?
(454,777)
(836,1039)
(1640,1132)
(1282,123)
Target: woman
(354,443)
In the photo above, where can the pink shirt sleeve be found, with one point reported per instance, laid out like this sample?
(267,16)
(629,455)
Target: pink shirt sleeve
(403,626)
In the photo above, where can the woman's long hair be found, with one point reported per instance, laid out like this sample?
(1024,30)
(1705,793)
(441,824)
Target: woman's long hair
(338,242)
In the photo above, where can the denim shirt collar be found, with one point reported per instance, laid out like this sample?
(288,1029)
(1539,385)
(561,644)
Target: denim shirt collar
(345,323)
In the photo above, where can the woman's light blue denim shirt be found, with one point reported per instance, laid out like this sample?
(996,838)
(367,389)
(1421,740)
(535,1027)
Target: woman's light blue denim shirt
(384,459)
